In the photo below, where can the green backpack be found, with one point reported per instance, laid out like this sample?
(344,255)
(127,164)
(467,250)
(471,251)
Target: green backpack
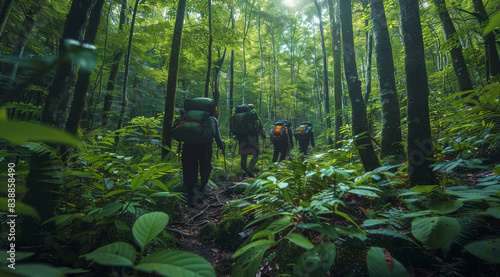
(197,125)
(244,121)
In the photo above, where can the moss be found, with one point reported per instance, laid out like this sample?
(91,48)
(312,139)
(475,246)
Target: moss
(228,236)
(208,231)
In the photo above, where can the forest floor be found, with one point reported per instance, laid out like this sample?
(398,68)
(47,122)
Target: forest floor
(207,209)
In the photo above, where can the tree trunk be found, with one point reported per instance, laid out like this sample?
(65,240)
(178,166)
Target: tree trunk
(172,79)
(82,84)
(457,57)
(40,193)
(325,72)
(209,66)
(392,142)
(368,82)
(420,148)
(261,81)
(4,14)
(493,61)
(231,72)
(113,72)
(337,70)
(127,64)
(359,121)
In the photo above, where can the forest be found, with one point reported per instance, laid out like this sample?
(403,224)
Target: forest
(403,178)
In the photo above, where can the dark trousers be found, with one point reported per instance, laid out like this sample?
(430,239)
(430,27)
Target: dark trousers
(280,149)
(194,155)
(303,146)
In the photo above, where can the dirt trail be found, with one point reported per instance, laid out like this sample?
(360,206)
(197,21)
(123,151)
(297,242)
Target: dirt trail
(207,209)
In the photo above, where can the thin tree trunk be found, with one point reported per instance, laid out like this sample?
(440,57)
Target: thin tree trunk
(209,66)
(113,72)
(261,81)
(457,57)
(127,64)
(420,148)
(172,79)
(337,70)
(231,71)
(368,82)
(392,142)
(359,119)
(41,195)
(4,14)
(82,84)
(325,72)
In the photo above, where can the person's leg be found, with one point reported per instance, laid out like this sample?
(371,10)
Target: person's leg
(205,166)
(189,170)
(276,152)
(283,148)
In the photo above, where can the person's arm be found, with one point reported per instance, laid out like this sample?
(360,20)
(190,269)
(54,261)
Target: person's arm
(261,130)
(218,140)
(290,137)
(312,139)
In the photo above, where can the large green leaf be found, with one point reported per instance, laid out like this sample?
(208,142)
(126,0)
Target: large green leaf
(315,262)
(300,240)
(322,228)
(116,254)
(494,211)
(148,226)
(445,206)
(364,192)
(176,263)
(488,250)
(280,224)
(19,132)
(378,267)
(435,232)
(494,22)
(20,208)
(249,258)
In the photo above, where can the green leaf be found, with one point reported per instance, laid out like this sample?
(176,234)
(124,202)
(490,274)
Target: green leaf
(445,206)
(363,192)
(20,208)
(322,228)
(494,22)
(373,222)
(424,189)
(109,209)
(494,211)
(138,181)
(176,263)
(148,226)
(315,262)
(280,224)
(116,254)
(19,132)
(378,267)
(249,258)
(300,240)
(488,250)
(435,232)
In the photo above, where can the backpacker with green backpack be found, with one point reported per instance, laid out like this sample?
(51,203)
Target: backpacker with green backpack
(279,131)
(197,126)
(244,121)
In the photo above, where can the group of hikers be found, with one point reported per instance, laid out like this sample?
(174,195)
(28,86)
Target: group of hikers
(198,127)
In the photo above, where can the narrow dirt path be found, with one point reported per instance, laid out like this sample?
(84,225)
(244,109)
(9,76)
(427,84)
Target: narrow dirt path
(208,208)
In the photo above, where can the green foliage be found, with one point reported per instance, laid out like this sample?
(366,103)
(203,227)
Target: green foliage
(316,261)
(165,263)
(382,264)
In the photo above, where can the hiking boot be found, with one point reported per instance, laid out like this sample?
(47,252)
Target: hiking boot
(190,200)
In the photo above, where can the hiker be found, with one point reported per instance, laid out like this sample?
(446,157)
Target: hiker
(246,125)
(282,140)
(304,135)
(197,130)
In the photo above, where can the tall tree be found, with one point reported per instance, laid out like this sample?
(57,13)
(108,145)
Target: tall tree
(420,148)
(82,84)
(392,142)
(41,193)
(457,57)
(172,79)
(492,59)
(231,70)
(359,120)
(337,70)
(209,66)
(246,28)
(127,64)
(325,71)
(113,72)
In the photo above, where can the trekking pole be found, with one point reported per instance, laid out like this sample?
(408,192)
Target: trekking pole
(224,155)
